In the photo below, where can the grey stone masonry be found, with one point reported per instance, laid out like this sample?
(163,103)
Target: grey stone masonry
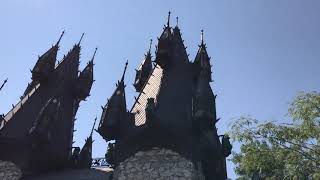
(76,174)
(157,164)
(9,171)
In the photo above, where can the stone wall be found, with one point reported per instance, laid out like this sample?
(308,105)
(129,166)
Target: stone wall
(9,171)
(75,174)
(160,164)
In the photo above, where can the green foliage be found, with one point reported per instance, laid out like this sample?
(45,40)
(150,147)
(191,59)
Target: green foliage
(110,154)
(270,150)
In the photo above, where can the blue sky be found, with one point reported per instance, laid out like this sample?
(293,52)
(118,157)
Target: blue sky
(263,52)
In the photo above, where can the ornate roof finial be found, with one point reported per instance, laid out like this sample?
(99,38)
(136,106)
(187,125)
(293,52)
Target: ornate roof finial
(177,19)
(201,36)
(80,39)
(60,38)
(95,120)
(124,72)
(94,54)
(150,45)
(168,23)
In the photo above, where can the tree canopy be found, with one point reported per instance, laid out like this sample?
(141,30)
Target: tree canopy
(274,150)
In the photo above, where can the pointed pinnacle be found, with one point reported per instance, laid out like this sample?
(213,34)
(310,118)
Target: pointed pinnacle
(201,36)
(94,54)
(150,45)
(95,120)
(168,23)
(177,19)
(80,39)
(124,72)
(60,38)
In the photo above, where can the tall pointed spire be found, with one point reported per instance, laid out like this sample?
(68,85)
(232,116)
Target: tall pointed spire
(202,37)
(94,54)
(94,123)
(164,46)
(150,46)
(202,60)
(80,39)
(124,72)
(204,106)
(57,44)
(168,22)
(177,20)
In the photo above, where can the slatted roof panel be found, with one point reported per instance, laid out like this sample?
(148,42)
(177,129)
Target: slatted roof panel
(150,90)
(18,106)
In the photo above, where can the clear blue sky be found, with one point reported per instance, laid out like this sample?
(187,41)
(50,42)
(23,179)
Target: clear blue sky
(263,52)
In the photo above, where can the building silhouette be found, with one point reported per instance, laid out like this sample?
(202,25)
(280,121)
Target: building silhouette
(175,108)
(37,133)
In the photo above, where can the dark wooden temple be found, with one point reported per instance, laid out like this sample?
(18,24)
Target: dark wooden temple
(175,108)
(37,133)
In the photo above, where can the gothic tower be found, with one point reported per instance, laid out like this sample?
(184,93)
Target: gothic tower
(173,116)
(37,133)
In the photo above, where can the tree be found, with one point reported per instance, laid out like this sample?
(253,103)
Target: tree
(272,150)
(110,154)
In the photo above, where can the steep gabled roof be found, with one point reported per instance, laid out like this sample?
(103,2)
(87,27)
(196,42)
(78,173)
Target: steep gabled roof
(85,79)
(19,105)
(115,109)
(68,67)
(46,62)
(44,66)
